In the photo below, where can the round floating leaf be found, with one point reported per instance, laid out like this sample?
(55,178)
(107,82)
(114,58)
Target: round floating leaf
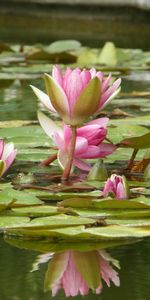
(139,142)
(63,46)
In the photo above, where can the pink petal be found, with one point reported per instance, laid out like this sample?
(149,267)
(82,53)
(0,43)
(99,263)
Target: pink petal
(93,72)
(74,87)
(106,83)
(48,125)
(72,280)
(67,134)
(91,152)
(57,285)
(108,188)
(100,76)
(9,160)
(121,192)
(44,99)
(102,122)
(98,151)
(59,141)
(90,131)
(1,147)
(62,157)
(57,75)
(99,289)
(85,77)
(108,273)
(106,149)
(65,77)
(8,149)
(109,94)
(81,145)
(81,164)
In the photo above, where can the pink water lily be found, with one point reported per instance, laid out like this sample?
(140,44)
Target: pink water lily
(7,156)
(66,271)
(116,186)
(77,94)
(89,141)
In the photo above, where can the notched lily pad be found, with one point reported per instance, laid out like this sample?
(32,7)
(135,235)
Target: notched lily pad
(15,198)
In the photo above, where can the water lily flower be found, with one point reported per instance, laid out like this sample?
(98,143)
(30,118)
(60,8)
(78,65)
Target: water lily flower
(77,94)
(117,187)
(89,141)
(66,270)
(7,156)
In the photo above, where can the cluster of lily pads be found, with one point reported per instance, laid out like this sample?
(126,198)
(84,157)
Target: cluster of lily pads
(75,142)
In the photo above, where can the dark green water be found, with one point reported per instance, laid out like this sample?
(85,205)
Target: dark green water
(18,283)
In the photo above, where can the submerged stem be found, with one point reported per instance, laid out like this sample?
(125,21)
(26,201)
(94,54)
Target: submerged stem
(71,151)
(48,160)
(130,164)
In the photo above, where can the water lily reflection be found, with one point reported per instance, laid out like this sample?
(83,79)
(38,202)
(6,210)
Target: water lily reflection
(77,272)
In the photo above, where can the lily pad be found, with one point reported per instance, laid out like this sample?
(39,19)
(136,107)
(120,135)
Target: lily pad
(36,211)
(10,222)
(14,198)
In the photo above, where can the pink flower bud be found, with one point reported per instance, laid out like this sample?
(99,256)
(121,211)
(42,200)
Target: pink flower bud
(116,186)
(7,156)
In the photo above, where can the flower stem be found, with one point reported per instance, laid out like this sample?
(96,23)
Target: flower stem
(130,163)
(48,160)
(71,151)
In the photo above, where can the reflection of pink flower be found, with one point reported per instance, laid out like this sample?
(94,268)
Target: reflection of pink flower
(66,271)
(7,156)
(65,89)
(116,186)
(89,140)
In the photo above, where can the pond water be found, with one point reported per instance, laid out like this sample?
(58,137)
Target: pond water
(17,282)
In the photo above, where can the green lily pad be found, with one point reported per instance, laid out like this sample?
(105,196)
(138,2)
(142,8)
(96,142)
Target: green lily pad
(36,211)
(15,198)
(78,233)
(130,222)
(63,46)
(139,142)
(140,202)
(59,221)
(116,133)
(10,222)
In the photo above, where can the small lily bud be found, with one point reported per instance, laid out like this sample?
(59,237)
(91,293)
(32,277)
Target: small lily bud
(117,187)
